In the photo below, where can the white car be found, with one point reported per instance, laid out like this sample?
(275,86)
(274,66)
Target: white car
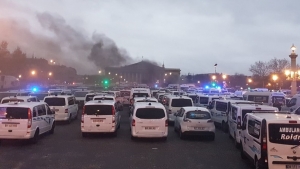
(149,120)
(100,116)
(271,140)
(64,107)
(25,120)
(194,121)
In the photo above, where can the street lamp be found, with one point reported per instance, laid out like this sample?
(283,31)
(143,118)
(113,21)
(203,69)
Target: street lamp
(274,77)
(170,73)
(20,76)
(166,74)
(99,71)
(215,68)
(33,72)
(293,74)
(249,80)
(224,76)
(50,74)
(214,77)
(198,82)
(109,73)
(116,74)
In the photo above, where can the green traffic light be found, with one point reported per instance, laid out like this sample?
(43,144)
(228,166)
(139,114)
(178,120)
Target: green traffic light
(213,84)
(106,82)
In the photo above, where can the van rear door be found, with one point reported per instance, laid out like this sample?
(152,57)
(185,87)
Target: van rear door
(13,121)
(283,145)
(150,120)
(99,117)
(58,104)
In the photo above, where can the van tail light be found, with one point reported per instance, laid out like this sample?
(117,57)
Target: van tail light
(166,123)
(133,122)
(209,121)
(29,118)
(82,115)
(113,114)
(66,111)
(293,121)
(239,122)
(264,147)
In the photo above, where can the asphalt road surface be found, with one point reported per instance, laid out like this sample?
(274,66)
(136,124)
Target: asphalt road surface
(66,149)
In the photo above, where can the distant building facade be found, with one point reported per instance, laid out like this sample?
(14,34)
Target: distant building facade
(143,73)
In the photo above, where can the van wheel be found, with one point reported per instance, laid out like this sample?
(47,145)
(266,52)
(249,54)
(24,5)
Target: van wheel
(70,120)
(181,135)
(243,156)
(175,129)
(132,137)
(224,127)
(36,136)
(256,164)
(236,144)
(229,135)
(52,129)
(212,137)
(84,134)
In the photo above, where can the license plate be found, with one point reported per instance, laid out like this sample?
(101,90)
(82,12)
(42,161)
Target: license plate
(150,128)
(292,166)
(199,128)
(11,125)
(97,120)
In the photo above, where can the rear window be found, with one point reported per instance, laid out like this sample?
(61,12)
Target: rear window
(150,113)
(104,98)
(55,101)
(263,99)
(13,113)
(80,94)
(146,101)
(197,115)
(140,95)
(181,102)
(284,134)
(89,97)
(280,99)
(12,100)
(203,100)
(98,110)
(40,96)
(124,93)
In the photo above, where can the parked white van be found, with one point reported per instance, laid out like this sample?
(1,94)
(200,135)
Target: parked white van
(271,140)
(64,107)
(100,116)
(219,111)
(293,104)
(80,96)
(140,92)
(267,98)
(147,99)
(204,100)
(237,113)
(104,97)
(149,120)
(19,99)
(174,103)
(25,120)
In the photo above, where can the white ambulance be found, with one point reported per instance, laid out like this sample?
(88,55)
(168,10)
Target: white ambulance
(271,140)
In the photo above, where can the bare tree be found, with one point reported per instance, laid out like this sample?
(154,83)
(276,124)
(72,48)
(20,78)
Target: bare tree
(260,69)
(3,49)
(278,65)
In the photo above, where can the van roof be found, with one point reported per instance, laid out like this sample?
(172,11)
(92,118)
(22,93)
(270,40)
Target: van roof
(22,104)
(275,116)
(147,104)
(237,101)
(100,102)
(19,97)
(252,106)
(177,97)
(145,98)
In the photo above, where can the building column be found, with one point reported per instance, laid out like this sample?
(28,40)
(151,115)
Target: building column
(293,57)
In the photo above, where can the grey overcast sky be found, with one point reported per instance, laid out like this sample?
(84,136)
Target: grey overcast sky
(191,35)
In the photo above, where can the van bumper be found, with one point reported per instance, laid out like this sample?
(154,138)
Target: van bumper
(149,135)
(61,117)
(199,133)
(98,130)
(29,134)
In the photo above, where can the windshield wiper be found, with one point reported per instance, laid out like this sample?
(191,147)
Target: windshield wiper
(295,146)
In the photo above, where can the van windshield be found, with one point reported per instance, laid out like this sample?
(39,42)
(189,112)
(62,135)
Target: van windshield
(125,93)
(13,113)
(89,97)
(150,113)
(103,98)
(98,110)
(55,101)
(80,94)
(288,134)
(197,115)
(203,100)
(280,99)
(140,95)
(181,102)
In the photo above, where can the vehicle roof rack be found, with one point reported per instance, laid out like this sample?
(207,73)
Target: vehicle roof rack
(259,103)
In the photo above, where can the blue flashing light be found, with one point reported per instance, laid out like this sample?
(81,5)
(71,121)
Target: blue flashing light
(206,87)
(34,89)
(213,84)
(155,86)
(218,87)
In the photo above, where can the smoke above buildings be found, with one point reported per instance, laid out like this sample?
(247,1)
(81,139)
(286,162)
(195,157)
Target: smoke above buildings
(64,43)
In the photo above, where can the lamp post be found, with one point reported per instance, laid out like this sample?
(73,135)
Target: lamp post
(274,77)
(215,68)
(293,57)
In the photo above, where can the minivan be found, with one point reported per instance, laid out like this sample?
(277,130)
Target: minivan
(174,103)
